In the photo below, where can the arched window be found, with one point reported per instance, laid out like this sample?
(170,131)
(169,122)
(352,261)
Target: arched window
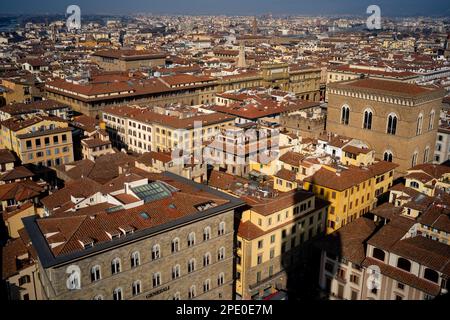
(221,228)
(206,259)
(206,285)
(176,271)
(221,279)
(414,159)
(367,120)
(419,124)
(387,156)
(156,279)
(135,259)
(175,245)
(98,297)
(431,275)
(404,264)
(426,154)
(191,265)
(378,254)
(95,273)
(177,296)
(414,184)
(136,287)
(192,292)
(392,124)
(431,120)
(206,233)
(345,115)
(221,254)
(156,252)
(115,266)
(117,294)
(191,239)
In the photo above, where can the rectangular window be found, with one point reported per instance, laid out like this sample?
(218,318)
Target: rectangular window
(272,253)
(354,279)
(340,291)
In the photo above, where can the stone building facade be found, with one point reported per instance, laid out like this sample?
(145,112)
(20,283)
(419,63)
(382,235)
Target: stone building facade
(398,120)
(190,257)
(54,279)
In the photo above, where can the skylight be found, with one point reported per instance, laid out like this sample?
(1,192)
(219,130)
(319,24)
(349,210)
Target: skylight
(153,191)
(114,209)
(144,215)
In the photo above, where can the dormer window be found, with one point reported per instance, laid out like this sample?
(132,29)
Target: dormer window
(206,206)
(87,243)
(126,230)
(113,234)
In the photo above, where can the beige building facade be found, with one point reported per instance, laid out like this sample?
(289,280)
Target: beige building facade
(398,120)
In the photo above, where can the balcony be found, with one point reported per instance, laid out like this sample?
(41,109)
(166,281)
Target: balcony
(268,279)
(340,279)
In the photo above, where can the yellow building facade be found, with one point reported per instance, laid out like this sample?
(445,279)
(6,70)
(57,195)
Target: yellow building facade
(38,140)
(351,191)
(270,238)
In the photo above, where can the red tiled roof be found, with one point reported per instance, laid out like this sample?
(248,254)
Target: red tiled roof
(404,277)
(71,229)
(395,87)
(146,115)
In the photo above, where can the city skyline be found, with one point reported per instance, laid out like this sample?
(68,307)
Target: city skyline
(234,7)
(223,150)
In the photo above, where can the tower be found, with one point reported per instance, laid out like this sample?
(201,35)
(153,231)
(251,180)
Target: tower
(241,60)
(254,27)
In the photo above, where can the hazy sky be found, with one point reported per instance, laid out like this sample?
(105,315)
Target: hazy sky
(235,7)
